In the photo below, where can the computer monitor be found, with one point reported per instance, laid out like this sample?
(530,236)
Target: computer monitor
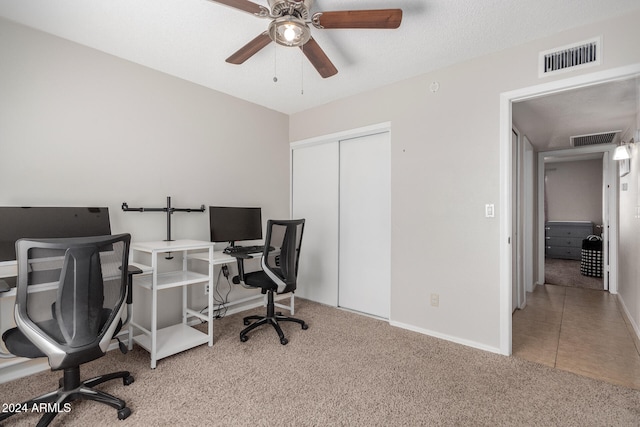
(233,224)
(48,222)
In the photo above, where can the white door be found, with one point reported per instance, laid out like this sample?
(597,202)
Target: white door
(365,202)
(315,198)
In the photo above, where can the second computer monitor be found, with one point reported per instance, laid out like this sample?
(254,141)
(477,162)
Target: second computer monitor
(234,224)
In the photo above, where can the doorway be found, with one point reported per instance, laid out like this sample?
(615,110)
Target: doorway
(506,205)
(576,195)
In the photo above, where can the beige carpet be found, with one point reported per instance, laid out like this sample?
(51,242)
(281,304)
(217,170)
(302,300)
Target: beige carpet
(346,370)
(566,272)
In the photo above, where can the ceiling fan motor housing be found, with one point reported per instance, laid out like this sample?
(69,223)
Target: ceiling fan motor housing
(297,8)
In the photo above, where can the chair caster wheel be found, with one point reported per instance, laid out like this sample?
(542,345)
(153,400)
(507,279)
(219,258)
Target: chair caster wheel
(284,341)
(244,338)
(124,413)
(305,326)
(246,322)
(128,380)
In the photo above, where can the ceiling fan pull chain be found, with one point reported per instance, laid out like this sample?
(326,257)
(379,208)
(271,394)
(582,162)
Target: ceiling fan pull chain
(275,68)
(302,71)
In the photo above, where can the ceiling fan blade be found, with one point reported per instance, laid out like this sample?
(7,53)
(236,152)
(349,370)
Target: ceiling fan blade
(250,49)
(318,58)
(246,6)
(380,18)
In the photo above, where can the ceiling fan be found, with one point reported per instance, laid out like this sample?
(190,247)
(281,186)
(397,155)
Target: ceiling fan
(289,27)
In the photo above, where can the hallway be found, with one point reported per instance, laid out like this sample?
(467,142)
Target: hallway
(583,331)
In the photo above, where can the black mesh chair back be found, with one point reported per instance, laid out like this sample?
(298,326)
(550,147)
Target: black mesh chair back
(70,300)
(88,278)
(282,269)
(278,275)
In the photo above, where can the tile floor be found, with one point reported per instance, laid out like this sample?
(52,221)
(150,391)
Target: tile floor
(583,331)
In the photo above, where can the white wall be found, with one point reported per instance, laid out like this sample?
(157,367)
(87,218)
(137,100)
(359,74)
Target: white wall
(573,191)
(80,127)
(445,162)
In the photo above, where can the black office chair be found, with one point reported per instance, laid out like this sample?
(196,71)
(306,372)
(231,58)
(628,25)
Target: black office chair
(278,275)
(88,279)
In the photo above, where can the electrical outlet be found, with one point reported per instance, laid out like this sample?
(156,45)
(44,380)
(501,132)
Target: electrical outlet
(206,289)
(435,300)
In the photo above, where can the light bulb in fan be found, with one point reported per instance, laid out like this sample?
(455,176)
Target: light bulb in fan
(289,33)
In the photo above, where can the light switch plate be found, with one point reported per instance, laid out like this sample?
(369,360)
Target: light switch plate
(489,210)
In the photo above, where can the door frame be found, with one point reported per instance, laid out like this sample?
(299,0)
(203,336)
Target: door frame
(522,213)
(506,99)
(518,295)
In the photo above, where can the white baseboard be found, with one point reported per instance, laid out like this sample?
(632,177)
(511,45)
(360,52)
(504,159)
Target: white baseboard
(630,319)
(21,368)
(446,337)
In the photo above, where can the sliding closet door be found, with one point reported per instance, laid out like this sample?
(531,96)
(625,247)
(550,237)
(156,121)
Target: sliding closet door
(315,198)
(365,192)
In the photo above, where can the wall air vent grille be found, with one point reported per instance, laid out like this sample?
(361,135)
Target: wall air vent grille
(570,57)
(594,138)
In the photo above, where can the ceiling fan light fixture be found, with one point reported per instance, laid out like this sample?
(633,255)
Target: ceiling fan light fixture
(289,31)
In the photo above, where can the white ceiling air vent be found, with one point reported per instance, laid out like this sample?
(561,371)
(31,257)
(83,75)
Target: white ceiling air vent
(595,138)
(571,57)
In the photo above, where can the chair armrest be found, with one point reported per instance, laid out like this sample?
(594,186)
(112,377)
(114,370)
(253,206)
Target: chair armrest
(240,257)
(4,286)
(131,270)
(240,277)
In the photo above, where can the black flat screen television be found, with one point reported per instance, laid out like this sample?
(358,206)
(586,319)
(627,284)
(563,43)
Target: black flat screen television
(49,222)
(234,224)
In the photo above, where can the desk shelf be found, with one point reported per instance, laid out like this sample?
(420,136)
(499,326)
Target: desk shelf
(173,339)
(173,279)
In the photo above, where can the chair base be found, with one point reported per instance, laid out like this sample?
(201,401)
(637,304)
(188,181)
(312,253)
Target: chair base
(71,388)
(272,319)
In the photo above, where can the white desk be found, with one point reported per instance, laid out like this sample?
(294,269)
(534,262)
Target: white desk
(165,342)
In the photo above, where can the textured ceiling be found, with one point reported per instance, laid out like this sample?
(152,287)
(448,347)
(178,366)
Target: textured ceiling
(550,121)
(191,39)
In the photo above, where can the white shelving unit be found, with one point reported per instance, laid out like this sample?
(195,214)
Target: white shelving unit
(173,339)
